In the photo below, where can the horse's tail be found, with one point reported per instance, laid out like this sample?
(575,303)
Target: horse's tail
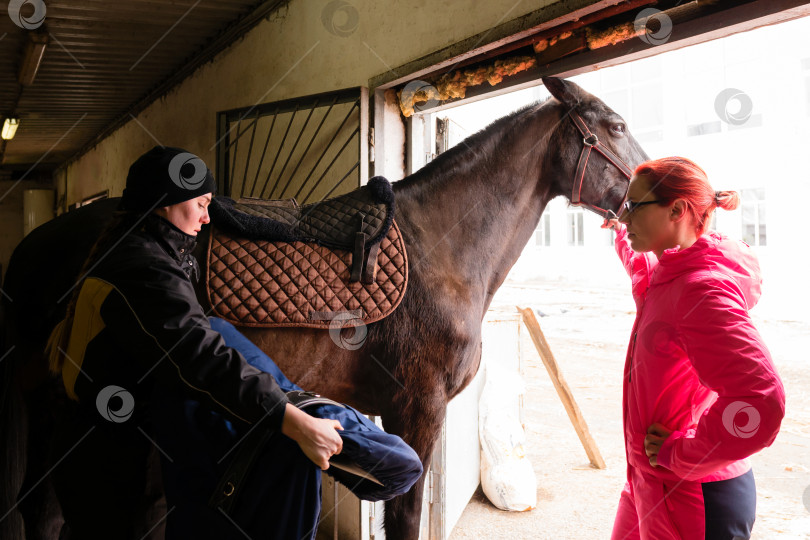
(13,432)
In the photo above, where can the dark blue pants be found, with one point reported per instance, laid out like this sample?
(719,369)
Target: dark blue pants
(731,507)
(282,498)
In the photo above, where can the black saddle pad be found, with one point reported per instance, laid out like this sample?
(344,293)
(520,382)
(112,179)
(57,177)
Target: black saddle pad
(333,222)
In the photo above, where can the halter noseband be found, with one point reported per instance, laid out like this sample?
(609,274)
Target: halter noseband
(592,142)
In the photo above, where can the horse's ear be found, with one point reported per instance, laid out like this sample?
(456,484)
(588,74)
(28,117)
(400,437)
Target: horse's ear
(566,92)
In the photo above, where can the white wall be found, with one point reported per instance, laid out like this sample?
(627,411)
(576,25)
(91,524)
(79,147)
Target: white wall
(11,216)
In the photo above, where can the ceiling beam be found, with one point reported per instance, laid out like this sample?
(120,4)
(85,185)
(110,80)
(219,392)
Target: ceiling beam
(218,44)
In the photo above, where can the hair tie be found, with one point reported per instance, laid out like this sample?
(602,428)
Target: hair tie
(717,195)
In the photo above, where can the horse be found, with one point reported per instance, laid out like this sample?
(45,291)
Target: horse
(465,218)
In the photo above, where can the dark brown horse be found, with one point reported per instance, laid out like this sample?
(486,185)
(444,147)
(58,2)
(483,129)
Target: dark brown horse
(465,218)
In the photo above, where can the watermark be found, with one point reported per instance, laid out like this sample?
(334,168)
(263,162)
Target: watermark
(340,18)
(8,352)
(418,96)
(733,106)
(33,20)
(353,341)
(653,26)
(731,416)
(346,328)
(187,170)
(115,404)
(806,498)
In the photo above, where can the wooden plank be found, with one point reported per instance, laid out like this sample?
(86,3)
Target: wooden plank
(571,407)
(573,44)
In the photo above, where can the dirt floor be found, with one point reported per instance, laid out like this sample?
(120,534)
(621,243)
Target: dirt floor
(588,332)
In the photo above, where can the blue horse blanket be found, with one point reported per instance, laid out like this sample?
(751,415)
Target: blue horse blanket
(281,499)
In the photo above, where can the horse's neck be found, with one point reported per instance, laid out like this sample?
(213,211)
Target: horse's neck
(472,212)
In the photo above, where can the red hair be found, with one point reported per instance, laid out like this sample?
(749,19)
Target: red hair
(679,178)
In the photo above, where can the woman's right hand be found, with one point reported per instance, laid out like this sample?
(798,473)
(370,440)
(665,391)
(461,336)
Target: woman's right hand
(317,437)
(610,224)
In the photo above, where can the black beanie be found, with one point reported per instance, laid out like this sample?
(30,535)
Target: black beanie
(165,176)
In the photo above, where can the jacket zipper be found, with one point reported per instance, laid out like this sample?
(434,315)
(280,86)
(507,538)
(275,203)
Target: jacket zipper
(635,337)
(632,353)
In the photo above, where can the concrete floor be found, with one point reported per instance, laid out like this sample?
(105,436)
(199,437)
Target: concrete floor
(588,331)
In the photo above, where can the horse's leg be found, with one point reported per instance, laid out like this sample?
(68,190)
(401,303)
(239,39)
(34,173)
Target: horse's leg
(41,511)
(39,505)
(419,423)
(13,452)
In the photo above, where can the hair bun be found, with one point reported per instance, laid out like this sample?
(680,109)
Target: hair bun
(727,200)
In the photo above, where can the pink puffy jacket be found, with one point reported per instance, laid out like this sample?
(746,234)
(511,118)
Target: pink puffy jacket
(697,365)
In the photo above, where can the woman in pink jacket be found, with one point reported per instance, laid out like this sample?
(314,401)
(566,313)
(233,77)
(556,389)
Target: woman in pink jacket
(701,393)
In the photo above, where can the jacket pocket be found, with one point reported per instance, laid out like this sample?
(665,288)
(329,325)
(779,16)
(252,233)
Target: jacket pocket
(684,508)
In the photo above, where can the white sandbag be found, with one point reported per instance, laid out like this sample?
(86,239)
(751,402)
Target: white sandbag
(507,476)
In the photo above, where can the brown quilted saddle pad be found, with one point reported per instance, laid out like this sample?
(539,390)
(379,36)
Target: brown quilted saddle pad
(270,283)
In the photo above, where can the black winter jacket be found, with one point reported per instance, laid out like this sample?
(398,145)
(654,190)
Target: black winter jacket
(138,321)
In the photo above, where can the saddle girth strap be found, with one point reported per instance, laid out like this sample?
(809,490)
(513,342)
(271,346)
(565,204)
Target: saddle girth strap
(303,399)
(358,256)
(248,451)
(370,264)
(363,262)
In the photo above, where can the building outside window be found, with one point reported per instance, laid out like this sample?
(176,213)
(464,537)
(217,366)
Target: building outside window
(806,69)
(727,99)
(542,235)
(637,93)
(574,227)
(752,206)
(608,237)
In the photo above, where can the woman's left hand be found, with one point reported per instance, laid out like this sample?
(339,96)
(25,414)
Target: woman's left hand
(656,435)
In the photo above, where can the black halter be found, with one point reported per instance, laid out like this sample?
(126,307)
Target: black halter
(592,142)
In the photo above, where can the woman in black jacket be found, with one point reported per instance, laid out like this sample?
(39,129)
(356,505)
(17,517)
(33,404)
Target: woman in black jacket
(149,373)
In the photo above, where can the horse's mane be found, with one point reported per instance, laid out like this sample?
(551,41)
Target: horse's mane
(462,155)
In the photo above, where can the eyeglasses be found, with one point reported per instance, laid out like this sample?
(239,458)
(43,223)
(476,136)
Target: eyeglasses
(630,206)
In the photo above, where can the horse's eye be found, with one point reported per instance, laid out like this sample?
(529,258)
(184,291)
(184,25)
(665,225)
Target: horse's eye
(618,129)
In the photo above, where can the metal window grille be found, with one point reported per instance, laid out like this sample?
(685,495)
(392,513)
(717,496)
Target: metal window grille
(308,148)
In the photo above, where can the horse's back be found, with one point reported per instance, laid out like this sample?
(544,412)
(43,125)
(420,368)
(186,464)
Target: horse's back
(45,265)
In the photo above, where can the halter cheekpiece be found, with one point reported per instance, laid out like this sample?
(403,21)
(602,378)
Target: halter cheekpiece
(592,142)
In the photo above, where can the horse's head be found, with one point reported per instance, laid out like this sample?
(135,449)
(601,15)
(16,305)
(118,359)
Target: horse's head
(591,150)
